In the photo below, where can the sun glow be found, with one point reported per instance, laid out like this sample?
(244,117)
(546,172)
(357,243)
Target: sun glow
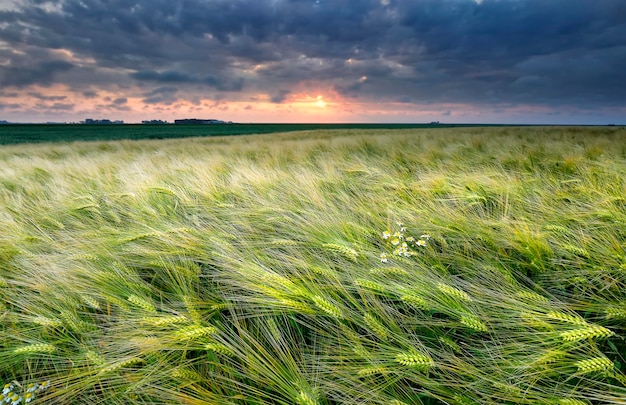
(320,102)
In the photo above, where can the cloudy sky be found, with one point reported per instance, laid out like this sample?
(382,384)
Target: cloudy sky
(495,61)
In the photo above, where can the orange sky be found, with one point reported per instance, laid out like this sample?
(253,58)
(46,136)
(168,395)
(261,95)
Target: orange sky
(403,61)
(321,106)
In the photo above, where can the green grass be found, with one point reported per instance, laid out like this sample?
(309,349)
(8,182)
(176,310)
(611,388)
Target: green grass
(38,133)
(247,270)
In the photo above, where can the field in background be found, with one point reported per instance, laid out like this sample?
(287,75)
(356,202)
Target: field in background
(38,133)
(459,266)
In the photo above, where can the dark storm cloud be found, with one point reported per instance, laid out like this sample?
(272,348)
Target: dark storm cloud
(8,93)
(231,84)
(7,106)
(42,73)
(162,95)
(118,104)
(280,97)
(43,97)
(557,52)
(165,77)
(55,106)
(62,106)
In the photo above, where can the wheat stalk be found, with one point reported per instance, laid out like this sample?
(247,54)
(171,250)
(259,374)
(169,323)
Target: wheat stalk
(575,320)
(164,320)
(415,360)
(594,365)
(590,332)
(453,292)
(371,370)
(141,303)
(473,322)
(370,285)
(375,326)
(219,348)
(415,301)
(35,348)
(345,251)
(194,332)
(304,398)
(326,306)
(121,364)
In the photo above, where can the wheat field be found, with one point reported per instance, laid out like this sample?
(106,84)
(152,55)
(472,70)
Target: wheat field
(434,266)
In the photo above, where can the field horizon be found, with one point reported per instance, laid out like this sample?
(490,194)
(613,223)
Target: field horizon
(466,265)
(19,133)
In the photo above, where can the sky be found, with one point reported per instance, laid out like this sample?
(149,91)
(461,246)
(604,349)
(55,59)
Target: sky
(375,61)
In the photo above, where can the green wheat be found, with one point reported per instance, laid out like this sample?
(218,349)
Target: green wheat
(423,266)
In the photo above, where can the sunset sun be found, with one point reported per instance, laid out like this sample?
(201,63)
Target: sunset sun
(320,102)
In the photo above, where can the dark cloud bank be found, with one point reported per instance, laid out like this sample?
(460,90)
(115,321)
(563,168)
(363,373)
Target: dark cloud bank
(556,53)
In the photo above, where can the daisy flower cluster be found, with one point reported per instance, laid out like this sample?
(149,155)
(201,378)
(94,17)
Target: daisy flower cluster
(10,392)
(403,244)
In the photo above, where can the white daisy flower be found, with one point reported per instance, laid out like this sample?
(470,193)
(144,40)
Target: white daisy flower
(7,388)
